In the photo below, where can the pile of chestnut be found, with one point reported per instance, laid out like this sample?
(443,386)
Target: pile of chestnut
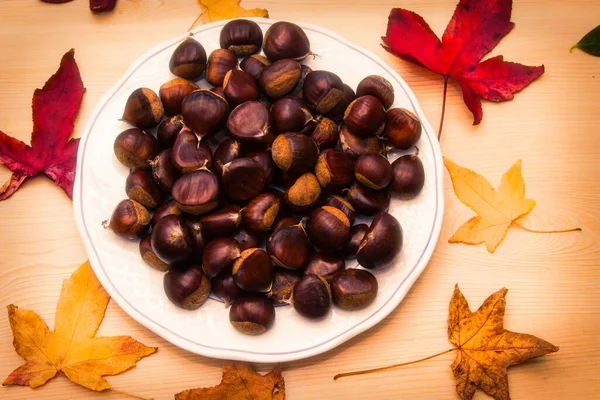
(255,183)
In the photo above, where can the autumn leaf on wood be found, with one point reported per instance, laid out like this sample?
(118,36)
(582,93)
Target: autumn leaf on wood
(476,27)
(54,109)
(590,43)
(215,10)
(72,349)
(240,382)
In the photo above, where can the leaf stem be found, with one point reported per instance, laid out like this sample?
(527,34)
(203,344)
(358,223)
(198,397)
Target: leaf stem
(196,21)
(369,371)
(129,394)
(551,231)
(443,107)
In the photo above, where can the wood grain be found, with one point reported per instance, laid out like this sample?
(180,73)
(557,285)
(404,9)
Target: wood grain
(552,126)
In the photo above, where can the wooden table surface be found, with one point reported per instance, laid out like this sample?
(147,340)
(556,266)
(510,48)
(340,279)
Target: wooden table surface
(552,126)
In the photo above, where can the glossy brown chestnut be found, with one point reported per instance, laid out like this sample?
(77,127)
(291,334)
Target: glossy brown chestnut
(246,239)
(188,154)
(348,96)
(243,179)
(403,128)
(408,176)
(197,192)
(218,90)
(325,265)
(325,134)
(322,91)
(357,233)
(169,207)
(219,255)
(290,114)
(354,289)
(334,170)
(168,130)
(303,195)
(373,170)
(129,219)
(187,287)
(252,315)
(228,150)
(261,212)
(328,228)
(173,92)
(188,60)
(222,222)
(280,78)
(255,65)
(283,285)
(253,270)
(355,146)
(285,40)
(171,240)
(242,36)
(204,111)
(197,238)
(311,297)
(298,90)
(164,172)
(150,257)
(289,247)
(240,86)
(284,222)
(251,122)
(135,148)
(382,242)
(368,201)
(379,87)
(265,159)
(143,109)
(140,186)
(294,152)
(365,116)
(220,62)
(225,288)
(341,204)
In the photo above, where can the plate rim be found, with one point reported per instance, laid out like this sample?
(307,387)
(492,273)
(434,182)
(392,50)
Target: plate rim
(241,355)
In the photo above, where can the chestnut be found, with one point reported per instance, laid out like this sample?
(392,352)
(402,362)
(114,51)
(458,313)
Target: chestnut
(311,297)
(327,266)
(143,109)
(140,186)
(373,171)
(240,86)
(135,148)
(129,219)
(218,90)
(379,87)
(197,239)
(261,212)
(220,62)
(222,222)
(357,233)
(150,257)
(265,159)
(348,96)
(228,150)
(334,170)
(168,130)
(294,152)
(367,201)
(173,92)
(197,192)
(169,207)
(355,146)
(403,128)
(283,285)
(204,111)
(303,195)
(365,116)
(241,36)
(225,288)
(290,114)
(171,240)
(187,287)
(280,78)
(353,289)
(325,134)
(322,91)
(285,40)
(164,172)
(253,270)
(341,204)
(250,122)
(188,60)
(252,315)
(289,247)
(328,228)
(408,176)
(246,239)
(188,154)
(298,89)
(254,65)
(382,242)
(284,222)
(243,179)
(219,255)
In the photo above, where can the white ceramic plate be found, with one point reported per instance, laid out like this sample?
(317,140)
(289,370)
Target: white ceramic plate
(138,289)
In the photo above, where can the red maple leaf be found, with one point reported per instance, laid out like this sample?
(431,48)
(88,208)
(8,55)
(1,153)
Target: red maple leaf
(474,30)
(54,109)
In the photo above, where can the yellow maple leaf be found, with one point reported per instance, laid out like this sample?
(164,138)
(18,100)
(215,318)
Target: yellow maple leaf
(497,210)
(72,348)
(215,10)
